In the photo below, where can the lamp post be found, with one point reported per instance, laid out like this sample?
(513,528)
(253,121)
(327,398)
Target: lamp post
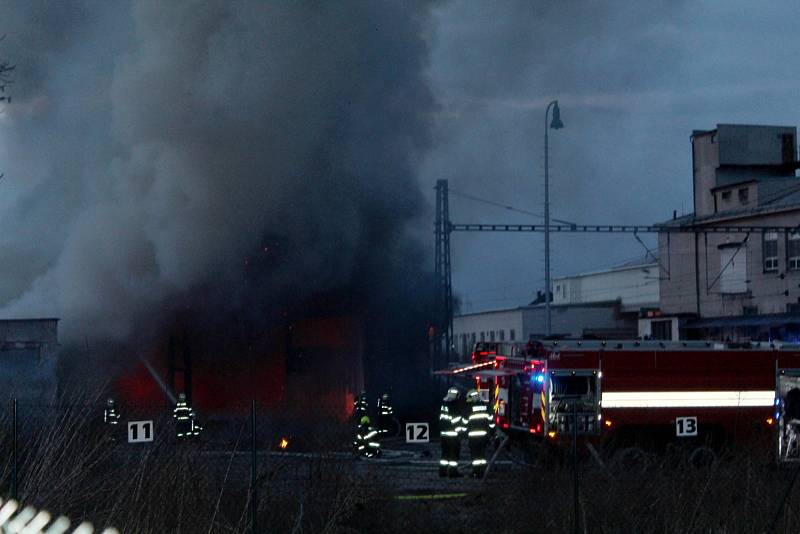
(554,124)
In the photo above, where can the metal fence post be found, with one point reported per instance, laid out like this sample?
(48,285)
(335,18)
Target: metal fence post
(576,502)
(253,475)
(14,450)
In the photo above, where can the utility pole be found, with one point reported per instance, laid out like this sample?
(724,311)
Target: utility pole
(556,124)
(443,335)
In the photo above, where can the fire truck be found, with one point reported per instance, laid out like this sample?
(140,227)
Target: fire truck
(616,395)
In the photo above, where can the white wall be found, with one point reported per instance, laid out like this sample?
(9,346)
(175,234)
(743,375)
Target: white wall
(635,286)
(500,323)
(645,327)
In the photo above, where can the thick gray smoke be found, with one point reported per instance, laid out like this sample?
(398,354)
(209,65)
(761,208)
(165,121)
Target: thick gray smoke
(153,147)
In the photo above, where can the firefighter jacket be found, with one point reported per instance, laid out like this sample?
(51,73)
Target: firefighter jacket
(185,424)
(385,413)
(451,424)
(360,407)
(479,420)
(384,408)
(366,442)
(110,416)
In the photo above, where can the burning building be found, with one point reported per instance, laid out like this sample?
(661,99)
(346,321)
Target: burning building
(246,220)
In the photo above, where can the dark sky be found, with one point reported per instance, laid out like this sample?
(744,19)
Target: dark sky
(150,146)
(633,79)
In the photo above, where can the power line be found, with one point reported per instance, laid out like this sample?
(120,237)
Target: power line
(505,207)
(619,228)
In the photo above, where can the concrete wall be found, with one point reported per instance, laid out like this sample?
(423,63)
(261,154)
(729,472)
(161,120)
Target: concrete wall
(764,290)
(603,319)
(745,144)
(705,160)
(635,287)
(491,325)
(28,350)
(735,153)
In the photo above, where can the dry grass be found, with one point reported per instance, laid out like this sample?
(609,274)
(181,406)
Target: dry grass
(67,464)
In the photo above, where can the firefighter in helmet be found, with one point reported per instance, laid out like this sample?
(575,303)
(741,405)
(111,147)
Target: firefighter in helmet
(185,424)
(450,426)
(366,443)
(479,423)
(385,414)
(360,407)
(111,418)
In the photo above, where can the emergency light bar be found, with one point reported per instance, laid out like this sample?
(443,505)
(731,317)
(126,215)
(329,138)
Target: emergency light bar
(472,367)
(686,399)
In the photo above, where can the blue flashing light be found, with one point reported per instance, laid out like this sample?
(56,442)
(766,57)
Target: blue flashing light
(539,378)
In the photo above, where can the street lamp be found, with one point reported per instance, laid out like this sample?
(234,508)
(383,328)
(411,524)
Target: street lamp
(554,124)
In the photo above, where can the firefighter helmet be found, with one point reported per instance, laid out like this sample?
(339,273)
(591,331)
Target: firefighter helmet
(364,420)
(473,395)
(182,397)
(452,394)
(110,402)
(385,397)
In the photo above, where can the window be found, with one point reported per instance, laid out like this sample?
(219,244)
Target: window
(770,250)
(491,335)
(483,336)
(661,330)
(744,194)
(733,268)
(502,335)
(792,307)
(473,339)
(749,310)
(511,334)
(793,251)
(726,196)
(787,148)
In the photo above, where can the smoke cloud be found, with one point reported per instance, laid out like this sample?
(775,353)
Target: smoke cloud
(155,148)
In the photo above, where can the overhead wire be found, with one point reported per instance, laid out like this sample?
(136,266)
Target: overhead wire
(506,207)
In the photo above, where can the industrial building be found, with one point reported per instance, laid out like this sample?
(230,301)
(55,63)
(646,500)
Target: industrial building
(736,286)
(605,304)
(28,354)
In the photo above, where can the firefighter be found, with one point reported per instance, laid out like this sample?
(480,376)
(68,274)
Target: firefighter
(479,423)
(360,407)
(385,414)
(450,426)
(791,417)
(366,443)
(185,424)
(111,418)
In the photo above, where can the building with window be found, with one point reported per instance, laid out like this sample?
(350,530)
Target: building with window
(743,286)
(588,319)
(600,304)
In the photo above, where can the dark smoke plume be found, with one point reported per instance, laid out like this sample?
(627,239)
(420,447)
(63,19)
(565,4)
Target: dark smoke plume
(223,156)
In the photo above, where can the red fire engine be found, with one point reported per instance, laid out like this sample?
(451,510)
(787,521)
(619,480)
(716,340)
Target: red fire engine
(643,393)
